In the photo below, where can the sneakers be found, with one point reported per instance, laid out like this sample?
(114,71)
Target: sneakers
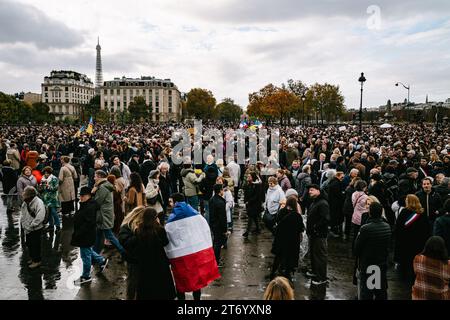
(34,265)
(309,274)
(245,235)
(83,280)
(103,265)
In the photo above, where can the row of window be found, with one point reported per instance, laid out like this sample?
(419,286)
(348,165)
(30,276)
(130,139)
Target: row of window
(139,84)
(134,91)
(67,101)
(61,109)
(112,110)
(76,89)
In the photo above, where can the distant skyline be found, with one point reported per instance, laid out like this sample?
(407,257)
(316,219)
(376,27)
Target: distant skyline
(233,47)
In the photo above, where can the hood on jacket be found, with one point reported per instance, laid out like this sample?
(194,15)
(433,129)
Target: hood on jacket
(185,172)
(302,175)
(107,185)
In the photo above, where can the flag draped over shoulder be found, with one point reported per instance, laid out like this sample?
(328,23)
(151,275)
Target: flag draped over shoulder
(90,128)
(190,250)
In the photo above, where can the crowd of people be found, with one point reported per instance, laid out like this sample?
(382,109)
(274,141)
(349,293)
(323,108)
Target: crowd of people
(386,191)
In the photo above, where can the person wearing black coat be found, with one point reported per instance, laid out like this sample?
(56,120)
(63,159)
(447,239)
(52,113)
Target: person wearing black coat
(336,198)
(430,200)
(408,183)
(317,231)
(442,225)
(146,167)
(133,164)
(443,189)
(206,187)
(286,243)
(372,249)
(218,220)
(155,280)
(412,230)
(84,234)
(253,201)
(8,177)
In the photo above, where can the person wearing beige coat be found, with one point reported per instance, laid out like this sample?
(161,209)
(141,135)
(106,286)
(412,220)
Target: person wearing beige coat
(67,192)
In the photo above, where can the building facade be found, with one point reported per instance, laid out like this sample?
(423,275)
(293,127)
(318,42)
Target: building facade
(31,97)
(161,96)
(66,92)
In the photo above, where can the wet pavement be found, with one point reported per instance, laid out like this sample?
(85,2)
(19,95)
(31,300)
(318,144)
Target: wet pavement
(244,274)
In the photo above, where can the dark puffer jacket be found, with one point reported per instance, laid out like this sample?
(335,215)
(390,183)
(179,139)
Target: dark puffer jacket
(318,218)
(372,243)
(84,224)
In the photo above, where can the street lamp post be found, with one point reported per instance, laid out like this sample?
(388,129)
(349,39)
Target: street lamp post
(303,113)
(361,79)
(407,87)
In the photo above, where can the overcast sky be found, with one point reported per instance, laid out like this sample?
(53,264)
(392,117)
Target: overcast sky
(234,47)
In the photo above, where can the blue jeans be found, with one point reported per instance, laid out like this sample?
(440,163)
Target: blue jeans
(53,218)
(193,202)
(107,233)
(89,256)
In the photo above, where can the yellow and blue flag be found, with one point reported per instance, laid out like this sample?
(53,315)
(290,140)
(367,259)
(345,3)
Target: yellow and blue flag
(90,128)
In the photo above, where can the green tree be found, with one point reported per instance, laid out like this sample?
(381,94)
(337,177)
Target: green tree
(90,109)
(138,109)
(10,109)
(103,116)
(41,113)
(298,88)
(200,103)
(326,101)
(227,110)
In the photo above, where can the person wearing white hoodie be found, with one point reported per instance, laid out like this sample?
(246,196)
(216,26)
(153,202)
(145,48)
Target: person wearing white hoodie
(235,173)
(229,204)
(274,197)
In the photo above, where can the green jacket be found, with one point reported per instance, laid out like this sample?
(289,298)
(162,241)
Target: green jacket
(104,197)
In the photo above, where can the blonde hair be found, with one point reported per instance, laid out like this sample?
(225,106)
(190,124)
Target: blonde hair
(373,199)
(134,219)
(413,203)
(279,289)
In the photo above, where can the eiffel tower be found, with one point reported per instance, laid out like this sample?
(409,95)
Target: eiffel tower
(98,69)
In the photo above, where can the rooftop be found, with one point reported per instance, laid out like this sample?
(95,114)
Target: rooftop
(68,74)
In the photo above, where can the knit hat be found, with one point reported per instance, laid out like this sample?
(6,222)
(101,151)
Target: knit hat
(291,192)
(85,191)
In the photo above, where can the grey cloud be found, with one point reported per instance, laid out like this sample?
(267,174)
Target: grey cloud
(22,23)
(267,11)
(26,57)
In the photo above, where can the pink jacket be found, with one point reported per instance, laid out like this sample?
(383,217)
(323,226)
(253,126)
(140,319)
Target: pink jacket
(359,206)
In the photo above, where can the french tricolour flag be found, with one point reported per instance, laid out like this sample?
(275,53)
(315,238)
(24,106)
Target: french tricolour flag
(190,249)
